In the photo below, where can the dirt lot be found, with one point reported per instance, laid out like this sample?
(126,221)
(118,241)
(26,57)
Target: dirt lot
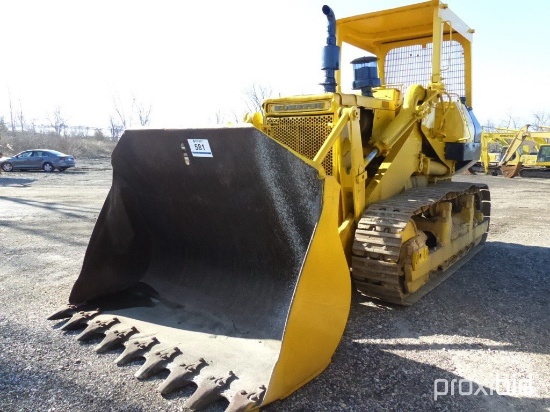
(484,330)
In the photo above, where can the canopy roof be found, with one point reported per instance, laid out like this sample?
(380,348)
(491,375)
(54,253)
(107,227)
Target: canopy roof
(373,31)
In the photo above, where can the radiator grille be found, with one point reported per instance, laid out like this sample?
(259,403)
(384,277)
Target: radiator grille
(303,134)
(413,65)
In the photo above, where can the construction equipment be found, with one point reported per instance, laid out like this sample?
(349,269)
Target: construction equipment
(519,159)
(493,145)
(224,254)
(516,152)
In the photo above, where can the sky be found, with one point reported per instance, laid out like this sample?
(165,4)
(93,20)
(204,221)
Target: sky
(191,60)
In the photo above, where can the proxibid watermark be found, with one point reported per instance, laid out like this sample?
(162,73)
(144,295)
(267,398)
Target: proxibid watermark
(503,385)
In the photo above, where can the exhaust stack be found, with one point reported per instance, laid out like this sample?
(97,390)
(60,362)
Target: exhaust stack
(331,53)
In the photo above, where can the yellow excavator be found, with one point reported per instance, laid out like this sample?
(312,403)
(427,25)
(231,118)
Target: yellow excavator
(224,254)
(493,146)
(526,160)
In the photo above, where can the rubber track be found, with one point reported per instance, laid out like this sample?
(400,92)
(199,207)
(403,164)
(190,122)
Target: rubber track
(376,265)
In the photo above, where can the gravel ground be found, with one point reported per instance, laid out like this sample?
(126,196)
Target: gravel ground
(485,328)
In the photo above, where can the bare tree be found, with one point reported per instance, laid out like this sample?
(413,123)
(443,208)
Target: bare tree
(3,129)
(11,115)
(57,121)
(122,120)
(236,118)
(32,126)
(142,110)
(219,117)
(255,96)
(540,119)
(3,126)
(21,117)
(224,118)
(115,128)
(489,126)
(124,115)
(513,122)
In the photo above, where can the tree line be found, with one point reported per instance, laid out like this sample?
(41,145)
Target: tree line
(123,115)
(133,111)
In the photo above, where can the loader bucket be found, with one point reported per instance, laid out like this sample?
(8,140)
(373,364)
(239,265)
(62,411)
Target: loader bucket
(217,256)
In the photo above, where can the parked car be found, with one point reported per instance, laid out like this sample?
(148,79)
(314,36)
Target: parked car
(47,160)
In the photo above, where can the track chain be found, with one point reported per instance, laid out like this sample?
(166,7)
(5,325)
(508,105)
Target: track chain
(377,261)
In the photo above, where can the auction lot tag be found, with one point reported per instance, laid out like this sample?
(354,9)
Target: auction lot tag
(200,147)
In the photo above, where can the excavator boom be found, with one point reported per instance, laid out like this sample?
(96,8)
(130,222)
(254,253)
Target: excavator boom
(522,152)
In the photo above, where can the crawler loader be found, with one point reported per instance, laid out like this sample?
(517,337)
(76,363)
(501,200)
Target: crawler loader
(224,254)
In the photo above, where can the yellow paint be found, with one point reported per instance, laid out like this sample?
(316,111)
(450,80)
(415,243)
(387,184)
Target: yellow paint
(512,150)
(337,133)
(439,258)
(395,171)
(320,307)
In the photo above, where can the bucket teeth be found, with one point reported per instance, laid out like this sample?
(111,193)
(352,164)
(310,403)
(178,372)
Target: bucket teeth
(209,391)
(79,319)
(97,326)
(244,401)
(114,337)
(180,376)
(135,349)
(157,361)
(65,311)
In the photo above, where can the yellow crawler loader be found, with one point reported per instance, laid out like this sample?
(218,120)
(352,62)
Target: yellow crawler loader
(224,255)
